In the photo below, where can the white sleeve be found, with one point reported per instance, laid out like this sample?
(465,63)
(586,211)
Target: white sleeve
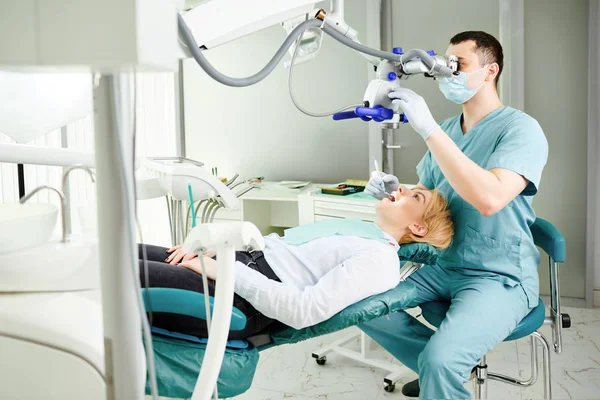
(353,280)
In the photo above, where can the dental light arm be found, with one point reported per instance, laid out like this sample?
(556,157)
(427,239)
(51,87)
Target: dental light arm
(199,30)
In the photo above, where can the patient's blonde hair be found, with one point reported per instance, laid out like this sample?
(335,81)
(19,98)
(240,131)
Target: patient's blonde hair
(438,221)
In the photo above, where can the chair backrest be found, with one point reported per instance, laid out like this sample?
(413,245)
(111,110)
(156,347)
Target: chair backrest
(185,302)
(549,239)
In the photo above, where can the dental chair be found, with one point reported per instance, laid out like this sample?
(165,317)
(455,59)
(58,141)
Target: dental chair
(549,239)
(179,357)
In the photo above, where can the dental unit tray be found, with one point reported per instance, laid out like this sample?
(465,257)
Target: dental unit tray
(350,186)
(175,173)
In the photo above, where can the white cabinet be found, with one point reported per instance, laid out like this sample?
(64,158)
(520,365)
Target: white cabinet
(315,206)
(270,207)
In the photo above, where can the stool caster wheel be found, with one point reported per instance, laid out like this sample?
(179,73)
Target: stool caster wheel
(566,320)
(389,387)
(321,361)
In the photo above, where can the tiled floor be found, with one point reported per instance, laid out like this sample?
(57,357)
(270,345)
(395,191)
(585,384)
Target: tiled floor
(288,372)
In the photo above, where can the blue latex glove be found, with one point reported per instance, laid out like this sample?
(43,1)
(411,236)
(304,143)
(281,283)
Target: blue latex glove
(380,183)
(415,108)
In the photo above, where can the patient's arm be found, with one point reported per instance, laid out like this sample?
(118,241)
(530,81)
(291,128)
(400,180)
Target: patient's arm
(349,282)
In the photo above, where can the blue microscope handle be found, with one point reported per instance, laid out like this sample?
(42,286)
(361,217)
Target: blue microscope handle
(376,113)
(344,115)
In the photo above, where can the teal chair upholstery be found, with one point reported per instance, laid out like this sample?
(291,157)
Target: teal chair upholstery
(550,240)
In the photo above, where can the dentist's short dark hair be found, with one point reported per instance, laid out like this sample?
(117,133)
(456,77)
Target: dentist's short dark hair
(487,47)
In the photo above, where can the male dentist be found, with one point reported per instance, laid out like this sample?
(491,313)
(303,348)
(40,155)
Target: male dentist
(488,163)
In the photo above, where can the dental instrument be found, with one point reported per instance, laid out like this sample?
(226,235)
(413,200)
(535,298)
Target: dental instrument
(192,206)
(230,181)
(174,174)
(389,196)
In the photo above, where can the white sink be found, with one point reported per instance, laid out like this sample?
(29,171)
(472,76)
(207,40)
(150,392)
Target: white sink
(53,266)
(23,226)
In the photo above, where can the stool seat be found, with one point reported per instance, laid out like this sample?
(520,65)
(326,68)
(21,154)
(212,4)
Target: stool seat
(434,312)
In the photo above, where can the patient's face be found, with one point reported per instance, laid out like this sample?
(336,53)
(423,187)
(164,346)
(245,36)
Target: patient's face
(407,206)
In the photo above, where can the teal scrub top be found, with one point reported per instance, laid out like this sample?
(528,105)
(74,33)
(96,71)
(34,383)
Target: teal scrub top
(499,246)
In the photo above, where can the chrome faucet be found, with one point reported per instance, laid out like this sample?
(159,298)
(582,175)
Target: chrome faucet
(67,219)
(62,206)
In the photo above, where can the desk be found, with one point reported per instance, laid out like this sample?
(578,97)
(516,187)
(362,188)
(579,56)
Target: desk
(273,208)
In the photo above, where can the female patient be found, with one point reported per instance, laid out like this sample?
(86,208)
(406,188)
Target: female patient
(314,271)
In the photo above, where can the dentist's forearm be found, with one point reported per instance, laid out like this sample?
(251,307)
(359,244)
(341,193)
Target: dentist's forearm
(477,186)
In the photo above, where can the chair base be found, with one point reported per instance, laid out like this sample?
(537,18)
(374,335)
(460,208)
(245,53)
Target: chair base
(389,381)
(483,376)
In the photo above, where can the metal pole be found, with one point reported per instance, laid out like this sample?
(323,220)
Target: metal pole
(66,189)
(125,376)
(481,380)
(179,112)
(373,39)
(21,179)
(546,364)
(386,44)
(558,321)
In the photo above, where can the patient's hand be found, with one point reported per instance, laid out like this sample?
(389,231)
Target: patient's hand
(209,264)
(177,255)
(210,254)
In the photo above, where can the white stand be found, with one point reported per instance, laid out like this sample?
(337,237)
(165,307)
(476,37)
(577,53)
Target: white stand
(219,329)
(226,238)
(396,371)
(125,372)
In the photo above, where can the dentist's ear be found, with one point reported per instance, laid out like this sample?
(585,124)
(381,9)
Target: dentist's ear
(493,70)
(418,229)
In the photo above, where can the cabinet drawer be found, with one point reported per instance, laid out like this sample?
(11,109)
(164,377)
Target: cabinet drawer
(341,210)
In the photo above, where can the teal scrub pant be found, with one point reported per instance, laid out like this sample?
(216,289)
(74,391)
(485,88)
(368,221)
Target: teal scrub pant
(483,313)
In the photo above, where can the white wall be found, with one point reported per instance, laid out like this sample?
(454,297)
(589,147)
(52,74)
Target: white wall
(258,131)
(443,19)
(555,94)
(556,90)
(594,152)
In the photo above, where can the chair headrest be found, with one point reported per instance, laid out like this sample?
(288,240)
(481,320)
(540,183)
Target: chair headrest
(420,253)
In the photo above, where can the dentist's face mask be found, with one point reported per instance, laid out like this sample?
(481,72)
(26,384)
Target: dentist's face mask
(456,89)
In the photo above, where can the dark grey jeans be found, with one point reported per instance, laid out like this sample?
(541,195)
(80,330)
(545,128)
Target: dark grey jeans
(162,274)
